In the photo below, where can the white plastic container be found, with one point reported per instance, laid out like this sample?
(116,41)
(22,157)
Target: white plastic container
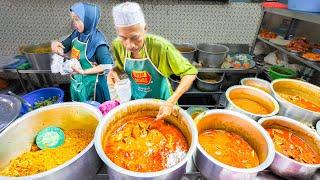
(123,89)
(112,91)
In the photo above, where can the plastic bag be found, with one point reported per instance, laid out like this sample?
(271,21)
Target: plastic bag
(66,67)
(56,63)
(123,89)
(108,106)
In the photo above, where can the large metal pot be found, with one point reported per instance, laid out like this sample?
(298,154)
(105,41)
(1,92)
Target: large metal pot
(187,50)
(150,106)
(242,125)
(257,83)
(284,166)
(212,55)
(291,110)
(20,135)
(39,56)
(39,61)
(253,94)
(204,85)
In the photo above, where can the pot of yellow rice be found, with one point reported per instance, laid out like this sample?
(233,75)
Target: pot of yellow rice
(76,158)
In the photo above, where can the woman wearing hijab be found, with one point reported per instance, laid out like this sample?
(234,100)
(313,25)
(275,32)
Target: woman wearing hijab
(88,45)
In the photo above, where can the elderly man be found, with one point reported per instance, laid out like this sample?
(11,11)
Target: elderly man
(148,59)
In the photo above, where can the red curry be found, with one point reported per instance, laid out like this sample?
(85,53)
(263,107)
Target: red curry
(229,148)
(293,147)
(143,145)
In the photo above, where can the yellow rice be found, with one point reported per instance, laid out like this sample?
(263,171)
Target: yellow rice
(36,161)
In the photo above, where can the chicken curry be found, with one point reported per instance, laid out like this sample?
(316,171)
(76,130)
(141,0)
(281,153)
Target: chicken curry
(145,145)
(292,146)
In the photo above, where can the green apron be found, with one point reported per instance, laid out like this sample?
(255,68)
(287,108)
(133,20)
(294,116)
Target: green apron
(146,80)
(87,87)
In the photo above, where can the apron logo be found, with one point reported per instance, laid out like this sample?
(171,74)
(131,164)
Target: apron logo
(75,53)
(141,77)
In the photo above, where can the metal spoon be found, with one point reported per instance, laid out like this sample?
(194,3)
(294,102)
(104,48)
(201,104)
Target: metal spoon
(21,99)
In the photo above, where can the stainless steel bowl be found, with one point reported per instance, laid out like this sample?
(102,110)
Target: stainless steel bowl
(257,83)
(212,55)
(145,106)
(254,94)
(209,86)
(291,110)
(242,125)
(20,135)
(187,50)
(284,166)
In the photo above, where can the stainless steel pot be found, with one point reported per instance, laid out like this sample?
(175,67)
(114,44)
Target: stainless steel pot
(209,86)
(291,110)
(174,81)
(242,125)
(254,94)
(20,135)
(284,166)
(257,83)
(39,61)
(39,56)
(212,55)
(151,106)
(187,50)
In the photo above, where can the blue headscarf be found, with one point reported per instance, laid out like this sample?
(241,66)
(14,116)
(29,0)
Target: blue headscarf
(90,16)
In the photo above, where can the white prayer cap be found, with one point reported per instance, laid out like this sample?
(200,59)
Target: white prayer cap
(127,14)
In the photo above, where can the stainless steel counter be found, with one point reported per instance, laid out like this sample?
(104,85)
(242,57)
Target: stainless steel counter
(193,174)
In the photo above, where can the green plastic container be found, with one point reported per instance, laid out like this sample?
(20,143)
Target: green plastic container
(280,72)
(194,111)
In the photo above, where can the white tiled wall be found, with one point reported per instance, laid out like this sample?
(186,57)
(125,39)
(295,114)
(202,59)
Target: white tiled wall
(194,21)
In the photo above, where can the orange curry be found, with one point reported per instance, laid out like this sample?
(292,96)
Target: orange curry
(229,148)
(257,85)
(251,106)
(145,145)
(300,101)
(290,145)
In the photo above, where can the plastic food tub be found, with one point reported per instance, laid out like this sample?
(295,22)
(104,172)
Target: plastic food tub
(41,94)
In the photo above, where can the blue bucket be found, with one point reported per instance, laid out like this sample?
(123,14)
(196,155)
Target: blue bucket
(40,94)
(306,5)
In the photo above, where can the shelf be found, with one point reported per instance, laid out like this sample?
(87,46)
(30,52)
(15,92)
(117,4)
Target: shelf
(27,71)
(34,71)
(236,71)
(195,90)
(305,16)
(8,70)
(313,65)
(186,106)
